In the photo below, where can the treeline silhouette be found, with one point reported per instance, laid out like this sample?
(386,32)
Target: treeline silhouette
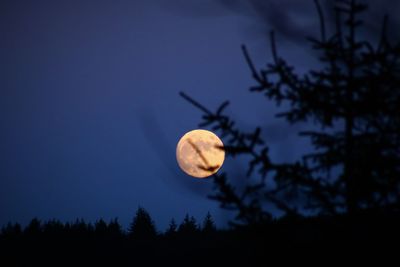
(142,227)
(107,243)
(84,243)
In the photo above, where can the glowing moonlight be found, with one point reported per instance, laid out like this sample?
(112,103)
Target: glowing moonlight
(200,153)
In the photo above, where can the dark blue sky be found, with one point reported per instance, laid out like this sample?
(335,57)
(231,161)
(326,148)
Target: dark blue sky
(89,107)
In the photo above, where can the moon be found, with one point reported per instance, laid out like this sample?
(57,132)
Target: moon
(200,153)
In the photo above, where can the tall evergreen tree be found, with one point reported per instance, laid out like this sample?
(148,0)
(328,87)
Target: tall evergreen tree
(115,228)
(172,228)
(34,228)
(100,228)
(188,226)
(208,224)
(352,102)
(142,226)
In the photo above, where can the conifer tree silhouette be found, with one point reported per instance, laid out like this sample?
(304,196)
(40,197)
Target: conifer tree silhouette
(188,226)
(79,227)
(115,228)
(11,230)
(142,226)
(352,105)
(208,224)
(34,228)
(53,228)
(101,229)
(172,228)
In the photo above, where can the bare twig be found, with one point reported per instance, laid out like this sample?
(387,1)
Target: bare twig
(321,20)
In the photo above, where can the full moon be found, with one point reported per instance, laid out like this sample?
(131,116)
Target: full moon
(200,153)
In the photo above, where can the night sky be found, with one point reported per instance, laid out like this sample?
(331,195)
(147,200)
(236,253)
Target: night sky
(90,112)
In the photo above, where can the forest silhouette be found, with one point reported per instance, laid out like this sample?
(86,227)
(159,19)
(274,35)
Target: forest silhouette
(54,243)
(81,243)
(343,198)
